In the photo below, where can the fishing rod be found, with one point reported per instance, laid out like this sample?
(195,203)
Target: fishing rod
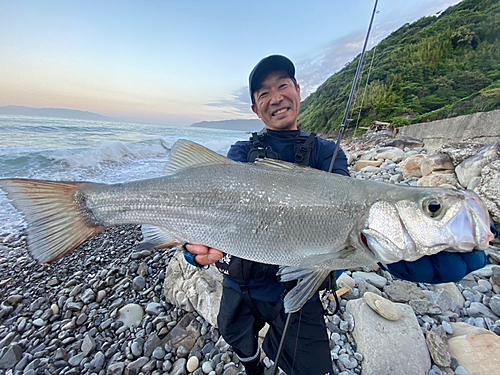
(335,153)
(353,88)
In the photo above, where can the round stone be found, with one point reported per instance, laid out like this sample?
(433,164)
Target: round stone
(206,367)
(131,315)
(192,363)
(382,306)
(100,296)
(55,309)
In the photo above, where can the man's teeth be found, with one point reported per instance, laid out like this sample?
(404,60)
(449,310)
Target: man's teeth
(280,111)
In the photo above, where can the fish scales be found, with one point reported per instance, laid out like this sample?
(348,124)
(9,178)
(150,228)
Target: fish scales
(268,215)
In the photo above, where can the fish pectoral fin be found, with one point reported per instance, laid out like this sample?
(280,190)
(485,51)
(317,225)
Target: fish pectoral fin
(313,261)
(155,238)
(280,164)
(187,154)
(309,280)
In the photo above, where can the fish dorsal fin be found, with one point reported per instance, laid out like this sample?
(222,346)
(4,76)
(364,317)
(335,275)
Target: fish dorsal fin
(188,154)
(279,164)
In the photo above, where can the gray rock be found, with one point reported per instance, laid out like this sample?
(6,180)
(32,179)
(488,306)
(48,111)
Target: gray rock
(371,277)
(191,289)
(477,309)
(152,342)
(400,291)
(11,357)
(138,283)
(131,315)
(396,347)
(76,360)
(98,361)
(438,349)
(423,307)
(179,367)
(154,308)
(88,296)
(115,368)
(495,304)
(137,364)
(185,333)
(88,345)
(136,347)
(454,292)
(158,353)
(489,189)
(472,166)
(461,371)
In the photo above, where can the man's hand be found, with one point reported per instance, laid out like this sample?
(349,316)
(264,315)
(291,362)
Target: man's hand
(204,255)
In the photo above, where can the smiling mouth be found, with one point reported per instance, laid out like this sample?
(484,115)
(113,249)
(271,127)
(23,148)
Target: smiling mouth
(279,112)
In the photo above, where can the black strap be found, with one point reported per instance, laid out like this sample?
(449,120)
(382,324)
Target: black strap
(259,148)
(303,148)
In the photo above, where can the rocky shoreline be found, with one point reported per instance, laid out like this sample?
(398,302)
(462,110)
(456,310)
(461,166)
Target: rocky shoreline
(102,309)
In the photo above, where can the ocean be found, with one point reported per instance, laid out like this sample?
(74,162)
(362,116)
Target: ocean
(83,150)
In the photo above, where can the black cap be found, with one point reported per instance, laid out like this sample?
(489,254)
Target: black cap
(267,65)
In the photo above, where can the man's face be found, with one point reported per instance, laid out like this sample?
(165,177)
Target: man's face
(277,102)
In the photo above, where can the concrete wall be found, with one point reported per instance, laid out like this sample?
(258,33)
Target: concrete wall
(483,127)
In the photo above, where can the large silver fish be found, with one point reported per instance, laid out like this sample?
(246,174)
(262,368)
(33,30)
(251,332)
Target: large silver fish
(270,212)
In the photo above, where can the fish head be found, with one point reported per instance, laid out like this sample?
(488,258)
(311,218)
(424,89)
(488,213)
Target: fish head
(425,222)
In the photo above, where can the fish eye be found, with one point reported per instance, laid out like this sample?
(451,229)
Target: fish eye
(432,206)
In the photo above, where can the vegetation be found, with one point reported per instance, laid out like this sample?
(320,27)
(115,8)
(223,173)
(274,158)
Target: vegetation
(437,67)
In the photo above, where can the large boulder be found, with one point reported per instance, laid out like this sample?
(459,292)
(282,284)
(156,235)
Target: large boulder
(472,166)
(192,288)
(489,189)
(477,349)
(458,152)
(403,142)
(389,347)
(411,167)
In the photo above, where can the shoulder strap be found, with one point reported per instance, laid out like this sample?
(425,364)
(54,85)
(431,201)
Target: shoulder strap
(259,148)
(303,148)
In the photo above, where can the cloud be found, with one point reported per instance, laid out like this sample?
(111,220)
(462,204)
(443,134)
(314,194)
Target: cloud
(239,105)
(316,66)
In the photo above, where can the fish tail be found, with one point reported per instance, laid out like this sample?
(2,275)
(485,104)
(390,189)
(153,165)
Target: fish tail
(58,219)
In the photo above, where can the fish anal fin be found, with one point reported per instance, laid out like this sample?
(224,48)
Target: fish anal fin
(57,218)
(155,238)
(187,154)
(309,280)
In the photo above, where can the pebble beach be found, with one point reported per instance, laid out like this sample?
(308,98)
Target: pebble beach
(101,309)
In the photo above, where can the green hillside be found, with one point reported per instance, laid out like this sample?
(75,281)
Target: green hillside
(436,67)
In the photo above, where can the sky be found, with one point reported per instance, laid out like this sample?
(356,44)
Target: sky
(178,62)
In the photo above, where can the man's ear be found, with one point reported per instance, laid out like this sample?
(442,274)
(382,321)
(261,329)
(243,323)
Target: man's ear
(255,110)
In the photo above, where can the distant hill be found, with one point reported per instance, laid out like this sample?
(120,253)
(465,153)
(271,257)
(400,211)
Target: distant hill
(241,125)
(437,67)
(51,112)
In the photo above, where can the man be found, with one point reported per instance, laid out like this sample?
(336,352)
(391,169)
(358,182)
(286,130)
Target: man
(251,294)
